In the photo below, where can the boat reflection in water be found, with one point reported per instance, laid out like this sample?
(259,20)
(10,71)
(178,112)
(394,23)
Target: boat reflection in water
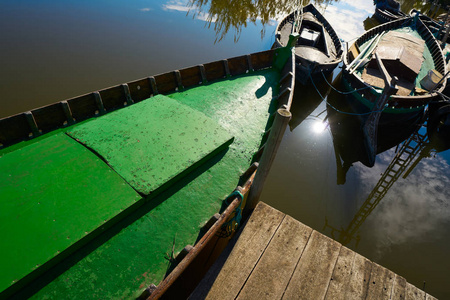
(412,143)
(349,138)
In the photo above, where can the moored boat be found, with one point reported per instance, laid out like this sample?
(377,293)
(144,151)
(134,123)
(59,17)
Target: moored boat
(406,49)
(437,27)
(388,10)
(318,49)
(74,173)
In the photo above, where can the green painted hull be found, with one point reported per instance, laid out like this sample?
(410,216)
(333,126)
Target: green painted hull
(84,208)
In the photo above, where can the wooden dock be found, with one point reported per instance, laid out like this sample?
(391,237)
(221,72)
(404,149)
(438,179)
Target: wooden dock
(277,257)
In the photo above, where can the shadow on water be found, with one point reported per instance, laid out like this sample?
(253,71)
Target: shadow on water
(306,100)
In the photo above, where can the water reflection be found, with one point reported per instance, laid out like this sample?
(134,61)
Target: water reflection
(234,15)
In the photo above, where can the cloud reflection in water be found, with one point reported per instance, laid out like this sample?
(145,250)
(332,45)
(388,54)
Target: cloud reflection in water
(414,209)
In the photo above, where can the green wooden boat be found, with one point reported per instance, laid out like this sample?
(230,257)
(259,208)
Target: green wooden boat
(98,193)
(408,50)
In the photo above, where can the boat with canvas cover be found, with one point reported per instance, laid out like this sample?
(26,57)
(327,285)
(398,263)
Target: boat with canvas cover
(318,50)
(403,49)
(99,193)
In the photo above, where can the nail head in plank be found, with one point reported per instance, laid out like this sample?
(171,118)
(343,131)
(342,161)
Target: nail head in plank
(359,282)
(381,283)
(399,288)
(342,274)
(414,293)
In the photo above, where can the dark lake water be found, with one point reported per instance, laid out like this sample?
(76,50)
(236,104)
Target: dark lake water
(54,50)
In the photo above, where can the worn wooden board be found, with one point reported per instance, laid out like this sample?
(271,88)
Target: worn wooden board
(296,263)
(413,293)
(381,282)
(153,143)
(399,288)
(359,282)
(273,271)
(244,256)
(342,275)
(313,272)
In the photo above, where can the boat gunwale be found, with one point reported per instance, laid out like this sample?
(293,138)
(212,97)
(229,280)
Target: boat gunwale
(36,122)
(398,101)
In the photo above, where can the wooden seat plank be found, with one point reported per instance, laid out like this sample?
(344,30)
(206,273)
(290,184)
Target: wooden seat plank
(313,272)
(272,273)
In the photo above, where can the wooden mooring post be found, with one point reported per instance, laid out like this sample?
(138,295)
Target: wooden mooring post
(282,118)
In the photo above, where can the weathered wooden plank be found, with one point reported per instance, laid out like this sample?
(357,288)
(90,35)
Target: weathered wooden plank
(140,89)
(359,282)
(191,76)
(414,293)
(113,98)
(83,107)
(273,271)
(49,117)
(244,256)
(238,65)
(342,274)
(381,282)
(14,129)
(262,60)
(313,272)
(399,288)
(215,70)
(429,297)
(166,82)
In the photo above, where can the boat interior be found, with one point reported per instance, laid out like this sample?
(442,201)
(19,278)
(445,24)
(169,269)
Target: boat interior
(312,34)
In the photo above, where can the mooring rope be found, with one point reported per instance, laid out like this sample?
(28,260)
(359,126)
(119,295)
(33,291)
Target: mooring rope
(343,93)
(336,109)
(234,222)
